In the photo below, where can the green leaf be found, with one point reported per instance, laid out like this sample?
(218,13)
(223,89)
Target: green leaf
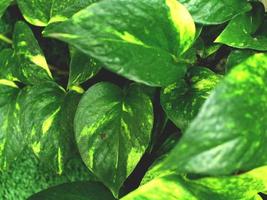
(205,50)
(42,12)
(32,65)
(238,56)
(174,187)
(163,152)
(3,6)
(64,9)
(47,117)
(215,11)
(78,190)
(25,178)
(229,132)
(7,65)
(82,68)
(182,100)
(250,29)
(113,129)
(144,46)
(6,27)
(11,138)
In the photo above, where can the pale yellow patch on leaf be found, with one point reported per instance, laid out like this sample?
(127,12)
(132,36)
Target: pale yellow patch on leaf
(49,121)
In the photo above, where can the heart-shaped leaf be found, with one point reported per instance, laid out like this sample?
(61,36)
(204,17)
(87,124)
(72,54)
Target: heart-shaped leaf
(113,129)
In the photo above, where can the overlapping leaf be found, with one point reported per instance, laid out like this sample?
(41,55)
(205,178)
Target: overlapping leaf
(228,135)
(78,190)
(182,100)
(215,11)
(47,117)
(82,68)
(7,65)
(246,31)
(236,57)
(31,64)
(11,137)
(3,6)
(113,129)
(42,12)
(5,31)
(141,40)
(174,187)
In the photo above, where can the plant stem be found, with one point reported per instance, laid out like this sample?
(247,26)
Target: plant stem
(5,39)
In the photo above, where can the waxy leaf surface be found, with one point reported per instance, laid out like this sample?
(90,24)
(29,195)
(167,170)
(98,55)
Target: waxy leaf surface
(215,11)
(142,40)
(174,187)
(113,129)
(228,135)
(246,31)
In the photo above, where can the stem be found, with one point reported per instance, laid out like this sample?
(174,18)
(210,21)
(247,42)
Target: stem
(5,39)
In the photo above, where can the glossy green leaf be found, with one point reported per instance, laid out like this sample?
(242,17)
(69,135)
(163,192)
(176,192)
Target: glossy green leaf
(3,6)
(11,138)
(144,46)
(246,31)
(182,100)
(215,11)
(229,132)
(113,129)
(47,117)
(32,65)
(42,12)
(75,191)
(82,68)
(174,187)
